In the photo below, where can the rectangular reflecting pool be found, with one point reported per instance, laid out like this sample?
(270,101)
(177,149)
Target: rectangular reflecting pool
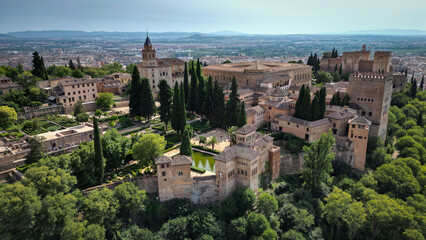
(203,160)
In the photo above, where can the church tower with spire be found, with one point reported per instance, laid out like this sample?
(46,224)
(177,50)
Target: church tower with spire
(149,56)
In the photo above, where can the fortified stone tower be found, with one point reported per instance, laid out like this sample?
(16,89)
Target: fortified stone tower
(372,92)
(245,135)
(358,134)
(149,56)
(174,177)
(381,62)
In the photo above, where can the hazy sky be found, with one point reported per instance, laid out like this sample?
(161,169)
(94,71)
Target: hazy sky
(249,16)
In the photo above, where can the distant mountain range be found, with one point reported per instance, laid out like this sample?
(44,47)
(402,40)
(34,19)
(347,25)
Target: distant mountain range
(389,32)
(174,35)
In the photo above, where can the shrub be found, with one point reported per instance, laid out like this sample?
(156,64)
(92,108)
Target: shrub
(295,145)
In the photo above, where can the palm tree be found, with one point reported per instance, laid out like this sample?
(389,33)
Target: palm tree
(231,132)
(212,141)
(202,140)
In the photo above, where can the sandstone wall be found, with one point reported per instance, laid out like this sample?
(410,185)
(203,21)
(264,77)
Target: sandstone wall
(291,164)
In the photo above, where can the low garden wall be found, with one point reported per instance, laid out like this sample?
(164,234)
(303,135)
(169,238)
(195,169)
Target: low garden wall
(149,183)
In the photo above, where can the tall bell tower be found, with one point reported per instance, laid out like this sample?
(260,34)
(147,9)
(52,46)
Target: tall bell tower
(149,56)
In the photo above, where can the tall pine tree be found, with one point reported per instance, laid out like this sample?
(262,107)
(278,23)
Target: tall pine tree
(208,102)
(322,101)
(135,93)
(165,97)
(99,158)
(186,83)
(39,69)
(185,145)
(218,105)
(305,106)
(242,116)
(199,106)
(192,98)
(232,105)
(175,119)
(182,109)
(413,89)
(199,70)
(147,103)
(315,107)
(71,65)
(421,87)
(298,110)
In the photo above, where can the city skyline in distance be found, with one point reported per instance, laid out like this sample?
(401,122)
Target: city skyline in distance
(271,17)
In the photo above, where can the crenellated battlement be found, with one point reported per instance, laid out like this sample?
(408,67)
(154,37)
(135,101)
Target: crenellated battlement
(370,75)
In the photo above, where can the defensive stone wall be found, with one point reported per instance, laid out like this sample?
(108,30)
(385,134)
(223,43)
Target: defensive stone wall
(149,183)
(204,190)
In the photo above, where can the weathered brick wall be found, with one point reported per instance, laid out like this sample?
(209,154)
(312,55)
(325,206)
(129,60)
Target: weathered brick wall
(204,190)
(291,164)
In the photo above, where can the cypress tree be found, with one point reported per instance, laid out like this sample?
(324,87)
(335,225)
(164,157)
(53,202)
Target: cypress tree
(322,101)
(192,98)
(38,66)
(135,91)
(412,78)
(185,145)
(242,116)
(420,119)
(199,106)
(345,101)
(333,100)
(71,65)
(406,72)
(208,102)
(99,158)
(305,106)
(147,103)
(338,99)
(315,108)
(165,97)
(413,89)
(335,68)
(175,119)
(218,104)
(186,83)
(232,105)
(422,83)
(297,110)
(199,70)
(340,69)
(45,75)
(310,60)
(182,114)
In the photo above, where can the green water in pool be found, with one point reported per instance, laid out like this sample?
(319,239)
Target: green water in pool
(204,161)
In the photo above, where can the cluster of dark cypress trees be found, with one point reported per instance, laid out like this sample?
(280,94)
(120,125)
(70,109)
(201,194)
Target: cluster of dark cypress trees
(307,110)
(39,69)
(314,61)
(141,101)
(337,100)
(207,99)
(334,53)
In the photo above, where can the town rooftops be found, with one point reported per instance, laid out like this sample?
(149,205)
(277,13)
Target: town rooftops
(261,140)
(69,81)
(246,129)
(360,121)
(342,114)
(4,78)
(303,122)
(278,92)
(236,151)
(178,160)
(282,105)
(173,61)
(254,110)
(256,67)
